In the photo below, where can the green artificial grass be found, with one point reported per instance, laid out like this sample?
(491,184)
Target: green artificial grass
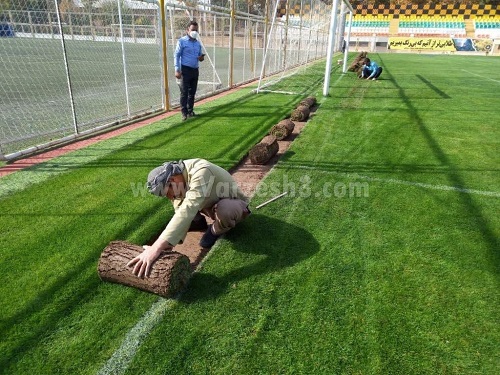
(382,259)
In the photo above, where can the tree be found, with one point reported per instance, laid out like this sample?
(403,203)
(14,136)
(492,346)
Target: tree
(4,5)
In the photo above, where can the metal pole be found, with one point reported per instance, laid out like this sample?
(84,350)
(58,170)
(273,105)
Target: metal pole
(213,50)
(340,26)
(310,33)
(265,51)
(245,48)
(123,56)
(299,51)
(286,34)
(66,66)
(331,46)
(214,72)
(346,52)
(166,97)
(256,46)
(172,32)
(231,44)
(250,39)
(266,28)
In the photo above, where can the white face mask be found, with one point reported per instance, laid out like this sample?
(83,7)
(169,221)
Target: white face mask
(193,34)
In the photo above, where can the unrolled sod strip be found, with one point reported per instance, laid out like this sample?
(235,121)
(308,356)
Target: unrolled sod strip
(271,200)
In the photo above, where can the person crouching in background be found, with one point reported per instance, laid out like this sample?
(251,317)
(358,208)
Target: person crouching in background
(370,70)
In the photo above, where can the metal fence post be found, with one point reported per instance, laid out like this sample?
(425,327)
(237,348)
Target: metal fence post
(66,66)
(163,25)
(231,44)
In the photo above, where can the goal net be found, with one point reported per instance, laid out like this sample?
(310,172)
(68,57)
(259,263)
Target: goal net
(298,35)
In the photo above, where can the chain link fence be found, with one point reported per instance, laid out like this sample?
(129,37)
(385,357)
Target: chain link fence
(72,67)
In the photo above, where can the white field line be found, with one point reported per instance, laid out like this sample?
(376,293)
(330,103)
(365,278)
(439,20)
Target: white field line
(403,182)
(480,76)
(279,92)
(339,78)
(121,358)
(434,187)
(119,362)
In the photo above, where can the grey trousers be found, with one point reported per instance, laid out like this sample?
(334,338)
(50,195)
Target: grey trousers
(226,213)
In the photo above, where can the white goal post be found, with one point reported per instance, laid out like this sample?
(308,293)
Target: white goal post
(336,32)
(299,34)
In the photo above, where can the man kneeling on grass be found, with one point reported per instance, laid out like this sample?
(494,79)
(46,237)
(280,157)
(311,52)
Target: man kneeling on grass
(370,70)
(194,186)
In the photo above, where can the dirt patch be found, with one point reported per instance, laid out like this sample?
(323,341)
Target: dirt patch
(248,176)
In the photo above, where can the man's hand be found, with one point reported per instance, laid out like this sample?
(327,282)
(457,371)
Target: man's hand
(201,57)
(144,261)
(178,75)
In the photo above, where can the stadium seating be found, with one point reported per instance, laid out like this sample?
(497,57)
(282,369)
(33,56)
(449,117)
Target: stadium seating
(432,26)
(369,25)
(487,28)
(409,25)
(426,19)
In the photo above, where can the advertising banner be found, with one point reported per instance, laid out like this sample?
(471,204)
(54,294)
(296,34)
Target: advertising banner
(467,44)
(441,44)
(433,44)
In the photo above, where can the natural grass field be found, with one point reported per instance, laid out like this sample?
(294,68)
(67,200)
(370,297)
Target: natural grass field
(382,259)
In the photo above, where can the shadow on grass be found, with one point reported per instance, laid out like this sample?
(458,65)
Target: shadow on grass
(453,175)
(263,245)
(441,93)
(43,313)
(282,244)
(289,161)
(252,114)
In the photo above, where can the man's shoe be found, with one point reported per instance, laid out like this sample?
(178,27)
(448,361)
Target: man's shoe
(184,117)
(208,239)
(191,114)
(199,224)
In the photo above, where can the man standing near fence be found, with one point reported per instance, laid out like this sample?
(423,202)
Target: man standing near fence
(187,55)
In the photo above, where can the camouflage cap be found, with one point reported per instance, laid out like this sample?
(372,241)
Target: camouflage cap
(159,177)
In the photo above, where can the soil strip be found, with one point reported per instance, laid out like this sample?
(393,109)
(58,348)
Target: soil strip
(248,176)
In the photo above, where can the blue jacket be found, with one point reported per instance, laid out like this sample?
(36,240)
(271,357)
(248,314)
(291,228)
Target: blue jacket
(372,68)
